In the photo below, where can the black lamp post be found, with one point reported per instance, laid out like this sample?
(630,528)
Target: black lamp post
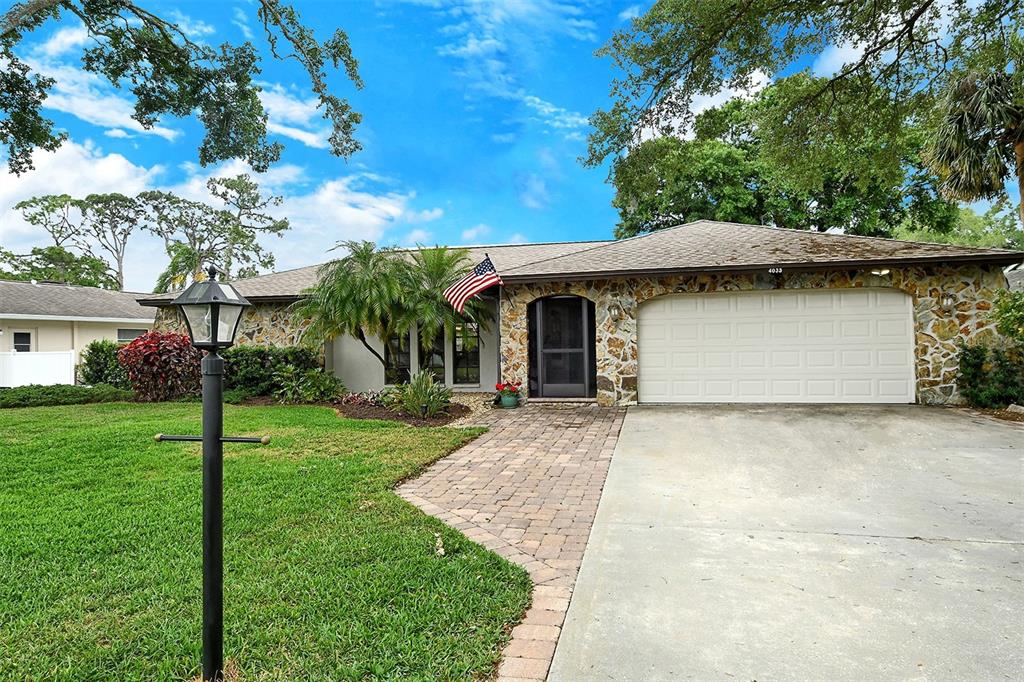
(212,311)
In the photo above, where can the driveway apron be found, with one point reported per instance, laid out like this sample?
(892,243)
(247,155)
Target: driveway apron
(804,543)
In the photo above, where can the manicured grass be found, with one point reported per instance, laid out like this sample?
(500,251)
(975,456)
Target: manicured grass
(328,574)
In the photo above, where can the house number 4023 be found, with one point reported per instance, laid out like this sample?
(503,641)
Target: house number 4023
(774,271)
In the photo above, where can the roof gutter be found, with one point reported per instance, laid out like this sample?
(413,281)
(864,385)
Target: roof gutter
(76,318)
(988,259)
(163,302)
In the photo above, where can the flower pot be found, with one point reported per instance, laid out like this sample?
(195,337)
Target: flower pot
(510,401)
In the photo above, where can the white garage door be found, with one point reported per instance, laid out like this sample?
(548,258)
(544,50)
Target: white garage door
(796,346)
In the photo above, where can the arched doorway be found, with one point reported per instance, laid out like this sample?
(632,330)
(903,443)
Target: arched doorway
(562,344)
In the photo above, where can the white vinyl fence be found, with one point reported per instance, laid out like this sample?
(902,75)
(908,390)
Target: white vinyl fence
(19,369)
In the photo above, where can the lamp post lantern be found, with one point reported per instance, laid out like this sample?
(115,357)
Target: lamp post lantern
(212,311)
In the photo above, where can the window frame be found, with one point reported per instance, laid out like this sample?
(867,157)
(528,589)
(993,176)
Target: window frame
(31,340)
(390,367)
(422,353)
(129,329)
(463,355)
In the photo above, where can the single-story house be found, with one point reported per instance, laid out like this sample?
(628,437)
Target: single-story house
(44,326)
(703,312)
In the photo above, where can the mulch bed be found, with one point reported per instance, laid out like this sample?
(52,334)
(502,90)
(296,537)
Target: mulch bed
(1005,415)
(455,410)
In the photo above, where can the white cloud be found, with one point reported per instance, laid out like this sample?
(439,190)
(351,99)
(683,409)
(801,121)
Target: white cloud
(504,138)
(534,192)
(553,115)
(86,96)
(193,28)
(631,12)
(835,57)
(425,216)
(517,238)
(357,206)
(241,21)
(62,41)
(473,47)
(701,103)
(417,237)
(493,39)
(117,133)
(316,140)
(472,234)
(75,169)
(294,117)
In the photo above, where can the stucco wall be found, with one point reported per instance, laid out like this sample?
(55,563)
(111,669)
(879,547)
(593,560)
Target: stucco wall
(937,331)
(63,335)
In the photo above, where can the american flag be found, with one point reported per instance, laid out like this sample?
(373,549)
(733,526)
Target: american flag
(482,276)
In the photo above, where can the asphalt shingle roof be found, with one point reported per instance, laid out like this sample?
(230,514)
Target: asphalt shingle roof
(700,246)
(708,245)
(290,283)
(64,300)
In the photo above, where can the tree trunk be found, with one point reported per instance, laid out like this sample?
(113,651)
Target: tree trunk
(362,337)
(1018,149)
(17,17)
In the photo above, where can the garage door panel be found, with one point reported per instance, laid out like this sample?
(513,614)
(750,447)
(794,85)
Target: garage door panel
(777,346)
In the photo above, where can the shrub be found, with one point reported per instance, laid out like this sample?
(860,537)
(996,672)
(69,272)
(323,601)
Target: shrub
(423,397)
(1009,314)
(991,377)
(162,366)
(61,394)
(321,387)
(306,386)
(252,368)
(368,398)
(99,365)
(236,396)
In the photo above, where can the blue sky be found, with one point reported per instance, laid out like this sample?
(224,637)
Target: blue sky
(474,116)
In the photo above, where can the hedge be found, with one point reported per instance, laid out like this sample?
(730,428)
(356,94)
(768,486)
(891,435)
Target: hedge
(36,395)
(254,369)
(99,365)
(991,376)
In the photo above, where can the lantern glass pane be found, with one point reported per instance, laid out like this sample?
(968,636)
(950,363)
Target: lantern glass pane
(199,323)
(227,323)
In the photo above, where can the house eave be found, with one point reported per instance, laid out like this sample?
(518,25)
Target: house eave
(76,318)
(1001,259)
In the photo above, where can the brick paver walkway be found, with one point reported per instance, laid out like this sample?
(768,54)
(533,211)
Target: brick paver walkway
(528,489)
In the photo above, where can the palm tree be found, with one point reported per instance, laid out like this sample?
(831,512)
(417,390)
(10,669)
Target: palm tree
(358,295)
(185,264)
(979,142)
(430,272)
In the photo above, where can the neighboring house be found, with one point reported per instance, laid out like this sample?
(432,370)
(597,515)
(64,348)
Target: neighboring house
(1015,279)
(703,312)
(44,326)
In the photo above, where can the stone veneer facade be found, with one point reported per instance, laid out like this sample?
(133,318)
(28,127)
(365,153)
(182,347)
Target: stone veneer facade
(265,324)
(938,331)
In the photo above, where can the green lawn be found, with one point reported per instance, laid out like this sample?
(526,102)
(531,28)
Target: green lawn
(328,574)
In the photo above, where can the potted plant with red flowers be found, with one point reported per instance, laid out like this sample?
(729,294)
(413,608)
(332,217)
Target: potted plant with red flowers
(509,393)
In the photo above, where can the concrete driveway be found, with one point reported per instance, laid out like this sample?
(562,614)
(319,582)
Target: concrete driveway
(810,543)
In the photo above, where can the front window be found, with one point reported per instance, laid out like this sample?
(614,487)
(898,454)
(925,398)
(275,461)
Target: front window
(466,353)
(129,335)
(22,342)
(396,359)
(432,357)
